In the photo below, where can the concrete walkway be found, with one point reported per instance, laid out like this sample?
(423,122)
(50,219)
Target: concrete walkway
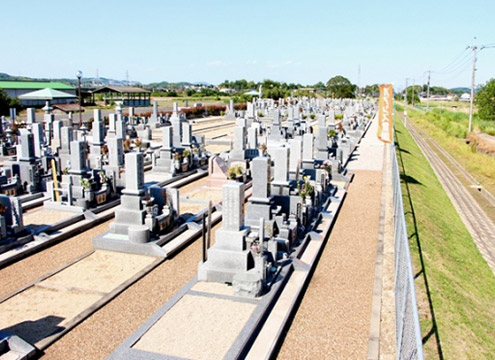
(333,319)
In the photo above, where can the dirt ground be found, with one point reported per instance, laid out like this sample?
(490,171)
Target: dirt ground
(484,143)
(43,216)
(333,319)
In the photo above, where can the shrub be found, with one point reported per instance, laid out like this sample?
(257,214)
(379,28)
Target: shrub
(241,106)
(485,101)
(456,130)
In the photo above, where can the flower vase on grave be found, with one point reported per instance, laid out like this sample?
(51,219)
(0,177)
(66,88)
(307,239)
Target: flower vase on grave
(89,195)
(177,162)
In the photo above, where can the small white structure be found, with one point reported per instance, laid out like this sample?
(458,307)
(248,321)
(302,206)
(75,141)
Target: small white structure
(39,97)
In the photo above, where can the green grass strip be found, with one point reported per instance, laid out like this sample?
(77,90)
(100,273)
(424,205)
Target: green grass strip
(454,285)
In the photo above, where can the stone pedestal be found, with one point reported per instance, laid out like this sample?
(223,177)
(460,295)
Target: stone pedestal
(229,261)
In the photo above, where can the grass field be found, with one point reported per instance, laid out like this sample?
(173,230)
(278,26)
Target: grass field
(454,122)
(462,106)
(454,285)
(208,100)
(449,129)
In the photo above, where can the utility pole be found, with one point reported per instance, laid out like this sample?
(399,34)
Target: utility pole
(359,80)
(475,49)
(405,105)
(428,92)
(412,95)
(470,126)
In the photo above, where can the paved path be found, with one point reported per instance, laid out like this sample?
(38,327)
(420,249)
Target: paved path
(333,319)
(481,227)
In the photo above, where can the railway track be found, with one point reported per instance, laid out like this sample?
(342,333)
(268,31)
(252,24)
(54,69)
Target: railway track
(490,198)
(481,228)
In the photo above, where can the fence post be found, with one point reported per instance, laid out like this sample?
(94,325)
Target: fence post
(407,328)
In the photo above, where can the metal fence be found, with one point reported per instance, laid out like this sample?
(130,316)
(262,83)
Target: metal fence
(408,334)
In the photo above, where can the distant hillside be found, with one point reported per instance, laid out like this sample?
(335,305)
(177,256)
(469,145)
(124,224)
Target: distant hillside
(7,77)
(90,81)
(460,90)
(102,81)
(177,85)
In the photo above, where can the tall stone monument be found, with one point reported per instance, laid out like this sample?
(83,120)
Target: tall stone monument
(229,260)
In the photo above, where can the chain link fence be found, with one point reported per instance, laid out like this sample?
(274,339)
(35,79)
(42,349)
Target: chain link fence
(408,334)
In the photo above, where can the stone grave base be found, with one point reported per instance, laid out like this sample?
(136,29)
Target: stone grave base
(11,243)
(69,294)
(13,347)
(342,179)
(121,243)
(189,324)
(53,205)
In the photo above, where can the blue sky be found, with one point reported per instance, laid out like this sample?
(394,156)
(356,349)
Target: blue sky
(293,41)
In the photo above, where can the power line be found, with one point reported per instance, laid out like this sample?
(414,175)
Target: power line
(459,64)
(454,63)
(460,71)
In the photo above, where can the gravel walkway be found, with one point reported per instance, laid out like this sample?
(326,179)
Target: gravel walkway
(100,334)
(333,319)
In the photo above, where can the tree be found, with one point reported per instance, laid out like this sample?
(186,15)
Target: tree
(341,87)
(371,90)
(412,95)
(319,86)
(275,92)
(190,92)
(485,100)
(6,103)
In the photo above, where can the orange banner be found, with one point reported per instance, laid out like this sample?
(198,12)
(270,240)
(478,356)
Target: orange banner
(385,113)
